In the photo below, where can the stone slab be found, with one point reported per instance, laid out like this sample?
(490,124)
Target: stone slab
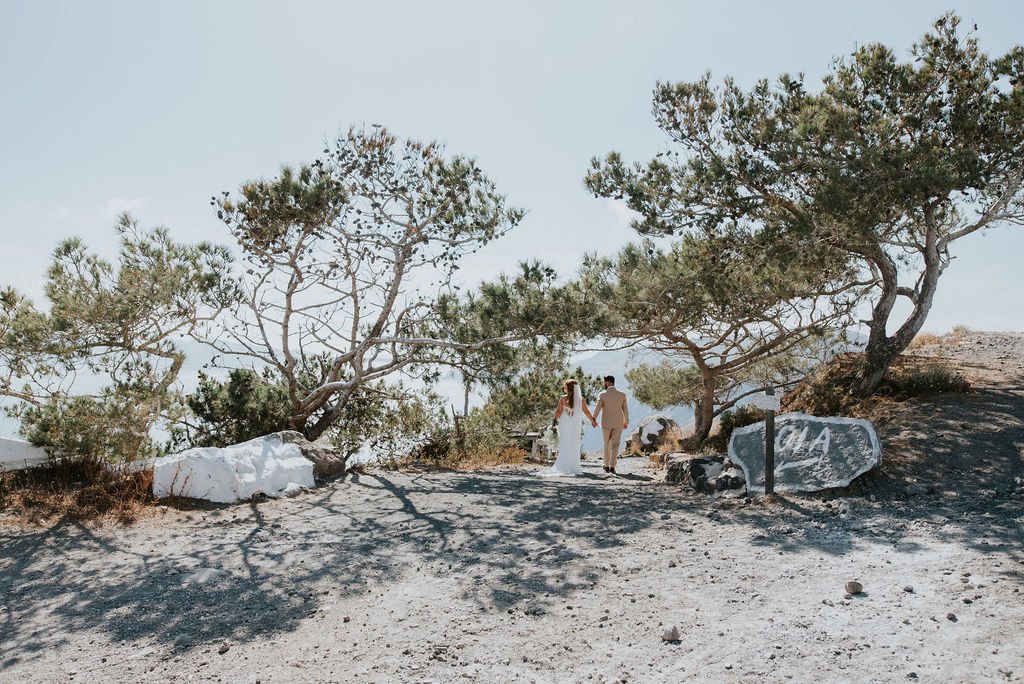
(811,453)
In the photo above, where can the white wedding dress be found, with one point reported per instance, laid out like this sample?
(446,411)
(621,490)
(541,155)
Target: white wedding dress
(570,435)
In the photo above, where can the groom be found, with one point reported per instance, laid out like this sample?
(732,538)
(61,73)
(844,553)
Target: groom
(611,406)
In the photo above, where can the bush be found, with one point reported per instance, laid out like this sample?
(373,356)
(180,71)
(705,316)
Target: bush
(730,420)
(114,426)
(248,405)
(924,339)
(479,440)
(75,489)
(826,391)
(921,380)
(245,406)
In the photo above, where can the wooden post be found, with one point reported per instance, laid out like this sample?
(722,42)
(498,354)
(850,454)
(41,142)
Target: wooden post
(460,437)
(769,448)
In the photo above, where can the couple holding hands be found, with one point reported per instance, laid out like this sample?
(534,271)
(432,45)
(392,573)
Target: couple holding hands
(611,407)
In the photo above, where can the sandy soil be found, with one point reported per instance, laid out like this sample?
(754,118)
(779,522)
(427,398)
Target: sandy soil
(505,576)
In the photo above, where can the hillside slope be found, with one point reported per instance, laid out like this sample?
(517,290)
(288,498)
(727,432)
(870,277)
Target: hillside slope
(965,444)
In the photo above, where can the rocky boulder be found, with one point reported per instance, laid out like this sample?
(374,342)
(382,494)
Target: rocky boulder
(707,474)
(328,460)
(266,465)
(653,434)
(811,453)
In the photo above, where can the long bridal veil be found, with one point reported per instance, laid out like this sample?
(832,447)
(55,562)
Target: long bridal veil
(570,435)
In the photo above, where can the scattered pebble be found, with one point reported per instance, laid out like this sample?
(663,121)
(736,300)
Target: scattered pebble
(854,587)
(205,576)
(671,634)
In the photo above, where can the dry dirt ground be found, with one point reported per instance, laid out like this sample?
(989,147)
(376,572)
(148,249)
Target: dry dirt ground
(504,576)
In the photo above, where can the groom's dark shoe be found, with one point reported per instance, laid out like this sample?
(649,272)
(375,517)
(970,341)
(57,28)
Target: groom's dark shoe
(611,470)
(606,469)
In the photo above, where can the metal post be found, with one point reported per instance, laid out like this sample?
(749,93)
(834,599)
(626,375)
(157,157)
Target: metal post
(769,448)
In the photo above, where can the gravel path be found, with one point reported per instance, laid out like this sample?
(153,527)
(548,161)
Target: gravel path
(506,576)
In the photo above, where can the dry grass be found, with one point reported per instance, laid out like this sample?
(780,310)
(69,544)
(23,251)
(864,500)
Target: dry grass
(80,489)
(509,456)
(924,339)
(676,440)
(828,391)
(506,457)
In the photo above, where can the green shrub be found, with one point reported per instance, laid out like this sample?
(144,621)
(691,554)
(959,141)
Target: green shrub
(730,420)
(394,422)
(245,406)
(927,379)
(115,426)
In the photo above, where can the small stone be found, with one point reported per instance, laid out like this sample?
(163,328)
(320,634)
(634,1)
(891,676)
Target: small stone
(909,589)
(671,634)
(854,587)
(951,617)
(671,564)
(205,576)
(346,619)
(224,648)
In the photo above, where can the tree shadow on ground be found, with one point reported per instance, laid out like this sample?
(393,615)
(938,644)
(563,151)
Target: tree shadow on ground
(969,447)
(512,540)
(283,560)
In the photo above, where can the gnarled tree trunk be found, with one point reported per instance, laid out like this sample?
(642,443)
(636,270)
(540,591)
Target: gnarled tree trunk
(882,348)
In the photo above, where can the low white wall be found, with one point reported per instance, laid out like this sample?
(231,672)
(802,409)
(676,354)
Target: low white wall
(18,455)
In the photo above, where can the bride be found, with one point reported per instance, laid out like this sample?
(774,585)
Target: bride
(569,415)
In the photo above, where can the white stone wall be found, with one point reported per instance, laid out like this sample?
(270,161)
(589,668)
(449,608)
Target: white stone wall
(16,454)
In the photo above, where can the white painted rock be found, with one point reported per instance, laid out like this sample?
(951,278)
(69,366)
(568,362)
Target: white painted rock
(811,453)
(652,434)
(16,454)
(266,465)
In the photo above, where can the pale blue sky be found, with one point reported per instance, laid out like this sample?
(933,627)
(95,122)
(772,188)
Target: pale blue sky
(155,106)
